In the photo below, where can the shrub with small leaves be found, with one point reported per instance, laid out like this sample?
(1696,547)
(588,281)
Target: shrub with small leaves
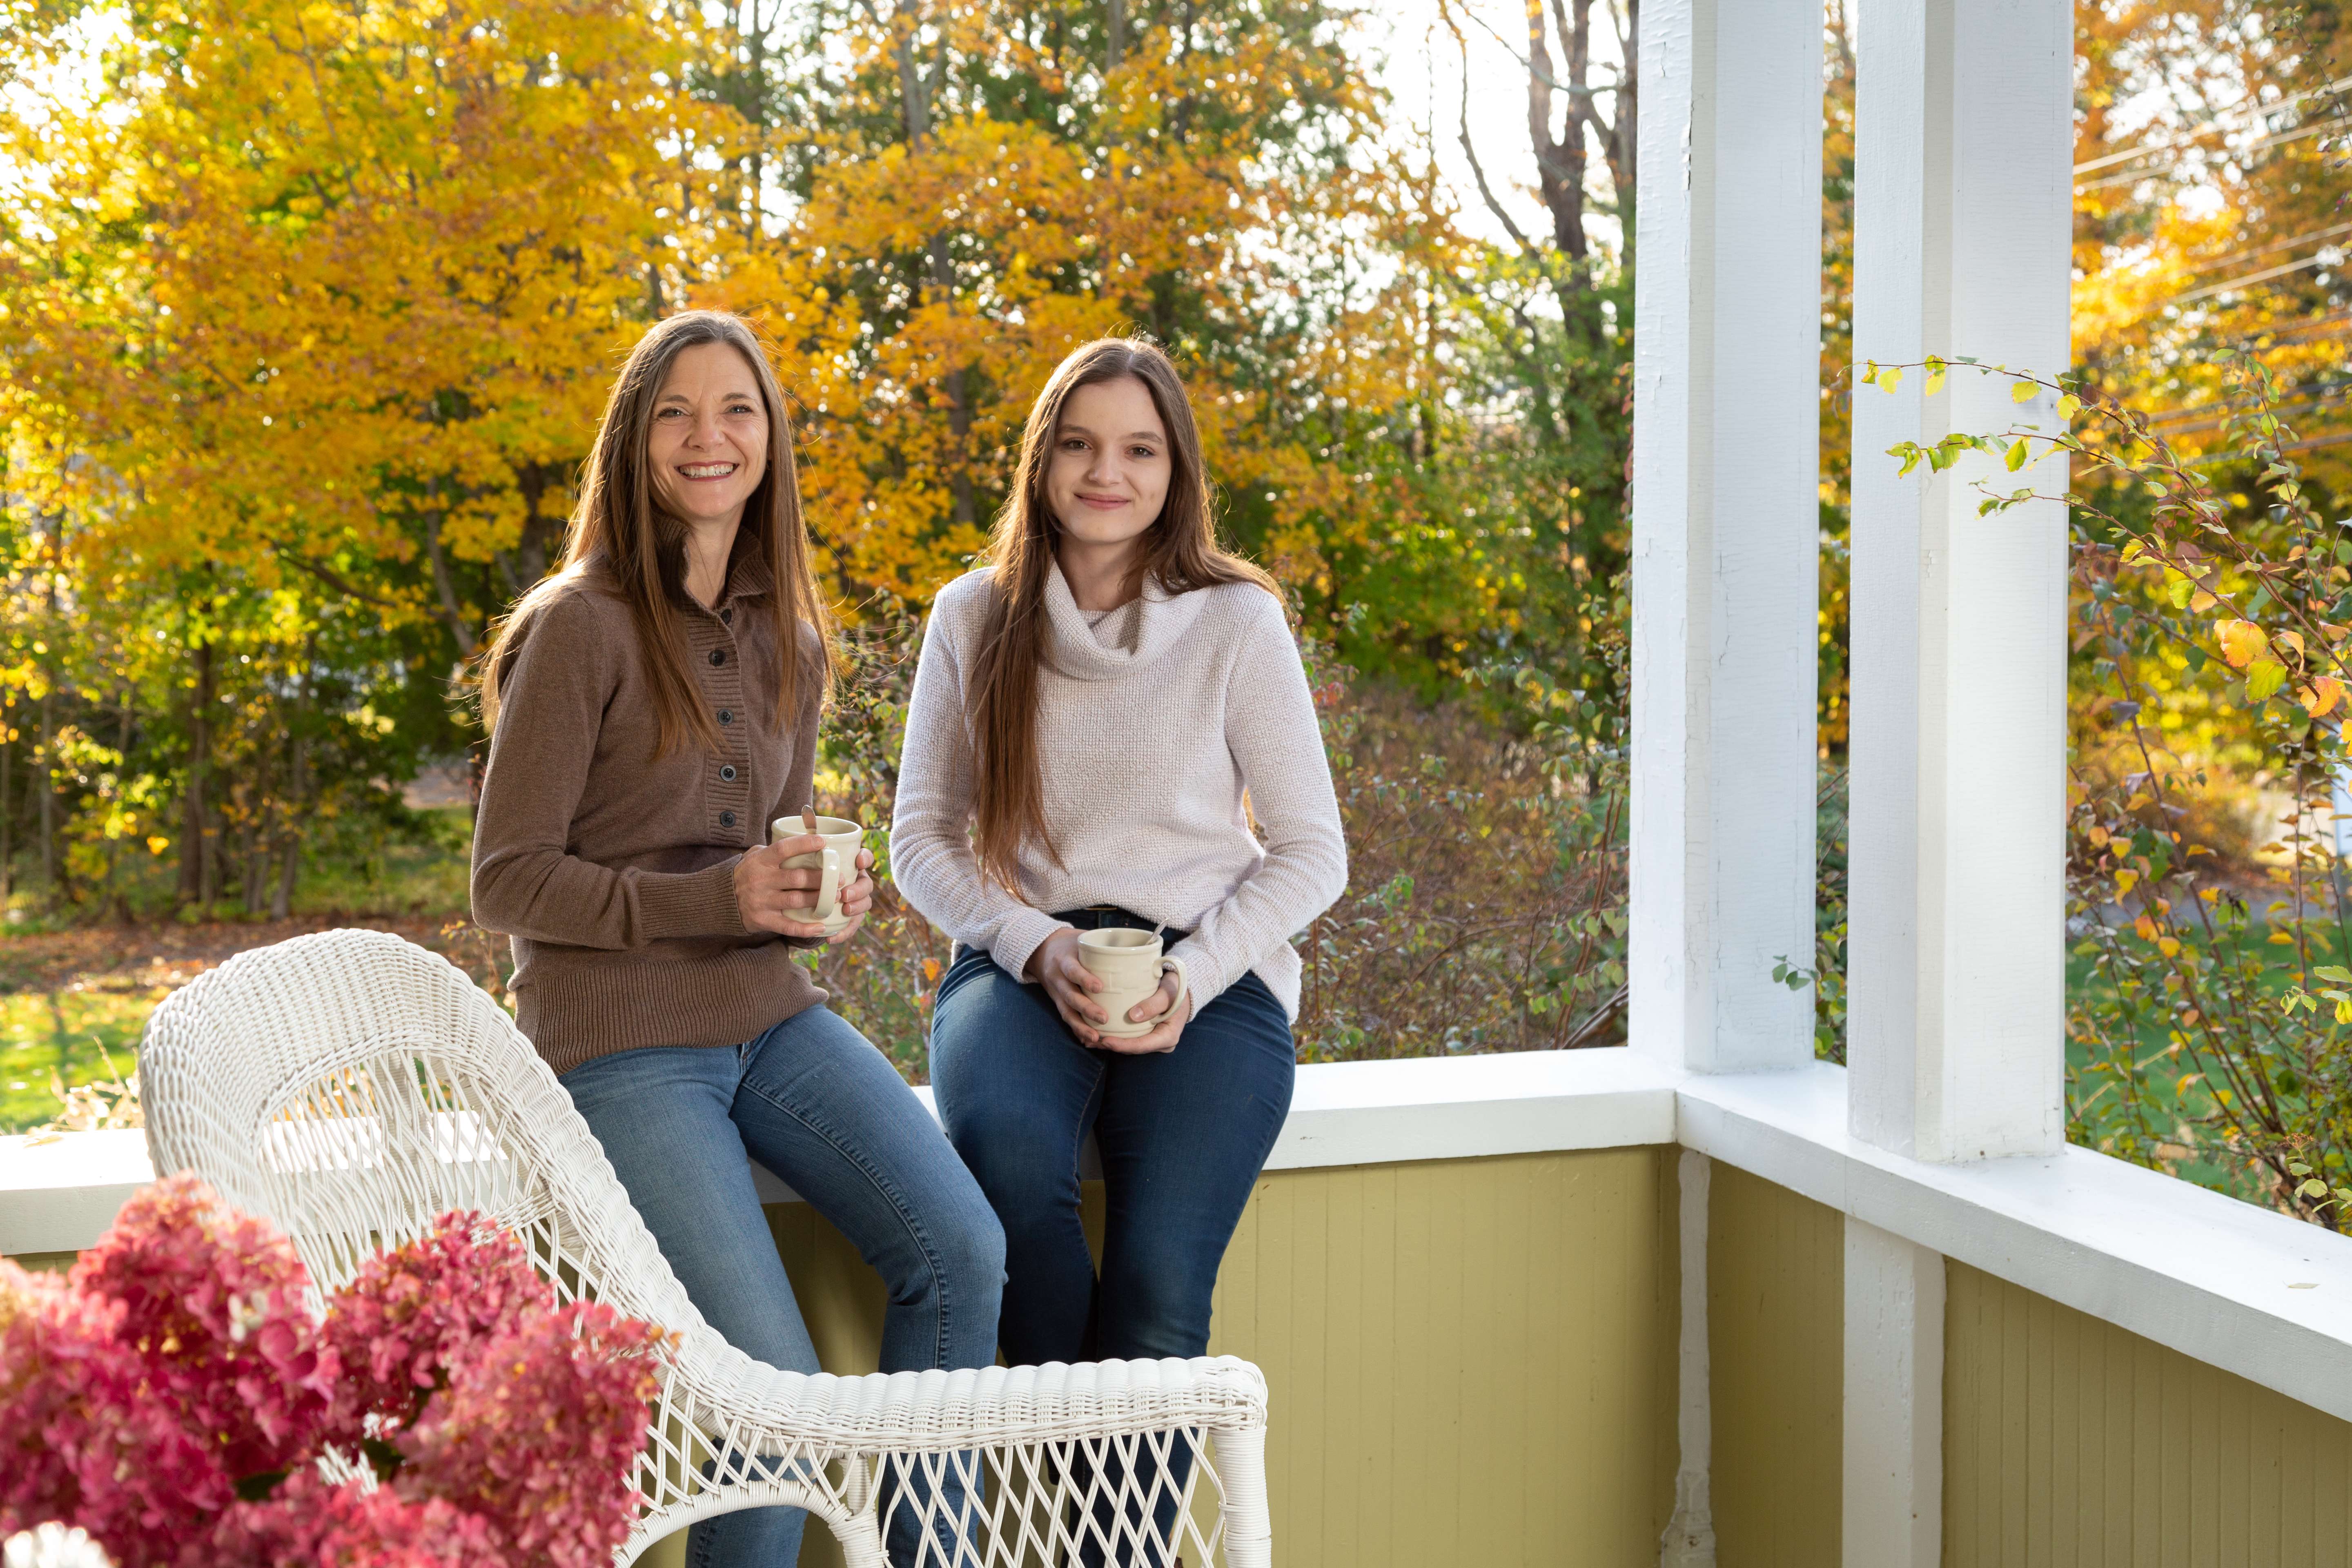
(2212,1032)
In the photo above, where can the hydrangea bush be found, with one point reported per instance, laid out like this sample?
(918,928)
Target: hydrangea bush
(171,1395)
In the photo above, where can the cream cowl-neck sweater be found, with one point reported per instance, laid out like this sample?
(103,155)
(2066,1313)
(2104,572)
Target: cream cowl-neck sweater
(1151,723)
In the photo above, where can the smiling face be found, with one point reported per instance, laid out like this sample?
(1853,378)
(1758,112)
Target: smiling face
(1110,472)
(708,447)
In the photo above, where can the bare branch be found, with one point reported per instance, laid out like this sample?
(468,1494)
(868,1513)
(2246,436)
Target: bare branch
(1469,147)
(1541,69)
(333,579)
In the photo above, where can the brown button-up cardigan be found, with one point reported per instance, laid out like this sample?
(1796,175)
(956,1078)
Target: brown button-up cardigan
(614,869)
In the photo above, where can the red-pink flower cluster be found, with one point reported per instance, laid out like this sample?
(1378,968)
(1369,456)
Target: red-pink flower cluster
(574,1384)
(415,1314)
(309,1522)
(171,1394)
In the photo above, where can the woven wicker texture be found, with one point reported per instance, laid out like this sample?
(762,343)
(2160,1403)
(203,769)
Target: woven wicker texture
(351,1086)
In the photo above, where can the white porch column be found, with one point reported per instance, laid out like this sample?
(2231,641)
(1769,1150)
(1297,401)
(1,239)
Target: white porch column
(1893,1496)
(1726,529)
(1963,152)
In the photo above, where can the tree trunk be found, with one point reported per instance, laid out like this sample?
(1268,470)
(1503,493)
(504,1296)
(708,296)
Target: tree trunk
(915,100)
(1559,161)
(289,846)
(7,824)
(194,885)
(114,846)
(46,775)
(1115,49)
(253,863)
(444,588)
(530,550)
(1625,123)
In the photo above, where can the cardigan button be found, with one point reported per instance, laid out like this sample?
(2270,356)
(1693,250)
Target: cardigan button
(728,773)
(719,655)
(727,616)
(727,715)
(726,819)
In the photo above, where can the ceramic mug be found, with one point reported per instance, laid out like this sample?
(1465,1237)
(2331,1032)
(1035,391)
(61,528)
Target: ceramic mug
(837,861)
(1130,965)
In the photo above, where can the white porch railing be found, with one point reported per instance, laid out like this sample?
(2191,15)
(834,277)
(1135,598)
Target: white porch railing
(2242,1289)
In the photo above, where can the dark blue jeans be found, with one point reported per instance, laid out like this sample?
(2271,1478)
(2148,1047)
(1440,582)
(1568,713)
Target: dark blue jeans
(816,1104)
(1183,1137)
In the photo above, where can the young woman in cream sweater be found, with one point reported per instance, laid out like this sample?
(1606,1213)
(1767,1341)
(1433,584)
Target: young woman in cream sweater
(1098,715)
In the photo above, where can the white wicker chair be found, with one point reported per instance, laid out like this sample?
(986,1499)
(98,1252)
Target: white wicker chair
(351,1086)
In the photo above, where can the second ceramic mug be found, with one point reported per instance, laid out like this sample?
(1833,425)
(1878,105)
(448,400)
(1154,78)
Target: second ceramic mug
(837,861)
(1130,965)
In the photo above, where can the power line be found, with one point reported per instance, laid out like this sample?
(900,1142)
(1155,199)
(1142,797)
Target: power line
(2314,128)
(2312,444)
(2219,122)
(2328,257)
(2204,413)
(2206,266)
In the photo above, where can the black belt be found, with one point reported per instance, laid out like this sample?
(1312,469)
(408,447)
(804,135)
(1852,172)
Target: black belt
(1097,917)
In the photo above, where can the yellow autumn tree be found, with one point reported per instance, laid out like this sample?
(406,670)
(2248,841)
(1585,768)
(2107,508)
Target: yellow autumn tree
(986,186)
(308,315)
(2213,167)
(384,257)
(2213,170)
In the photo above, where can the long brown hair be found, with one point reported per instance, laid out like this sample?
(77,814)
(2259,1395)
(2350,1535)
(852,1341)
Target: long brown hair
(621,527)
(1179,550)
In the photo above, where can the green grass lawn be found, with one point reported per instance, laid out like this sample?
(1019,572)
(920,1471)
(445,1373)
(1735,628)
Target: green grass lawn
(66,1033)
(74,995)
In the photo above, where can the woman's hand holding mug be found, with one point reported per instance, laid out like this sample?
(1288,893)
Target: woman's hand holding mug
(1056,964)
(1167,1010)
(775,896)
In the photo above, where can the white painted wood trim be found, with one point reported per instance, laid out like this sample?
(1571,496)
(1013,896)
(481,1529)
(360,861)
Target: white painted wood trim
(1689,1538)
(2206,1275)
(60,1196)
(1962,227)
(1726,530)
(1893,1496)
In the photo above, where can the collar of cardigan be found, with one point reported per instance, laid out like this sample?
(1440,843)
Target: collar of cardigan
(1131,638)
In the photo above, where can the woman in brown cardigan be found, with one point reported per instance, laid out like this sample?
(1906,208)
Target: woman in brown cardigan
(645,727)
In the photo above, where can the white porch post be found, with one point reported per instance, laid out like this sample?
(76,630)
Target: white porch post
(1893,1437)
(1726,530)
(1955,1034)
(1963,155)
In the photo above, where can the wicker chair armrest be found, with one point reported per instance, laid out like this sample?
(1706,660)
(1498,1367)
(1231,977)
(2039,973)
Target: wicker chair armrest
(941,1411)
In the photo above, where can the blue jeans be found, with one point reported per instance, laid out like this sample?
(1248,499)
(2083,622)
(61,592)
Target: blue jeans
(816,1104)
(1183,1137)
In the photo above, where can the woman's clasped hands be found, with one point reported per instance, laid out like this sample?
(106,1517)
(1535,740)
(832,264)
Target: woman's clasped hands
(774,897)
(1056,966)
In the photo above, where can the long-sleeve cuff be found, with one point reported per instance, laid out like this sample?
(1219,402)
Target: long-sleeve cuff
(1025,932)
(692,903)
(1204,978)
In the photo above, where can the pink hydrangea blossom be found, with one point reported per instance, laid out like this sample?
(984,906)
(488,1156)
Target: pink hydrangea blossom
(86,1435)
(539,1433)
(177,1366)
(213,1303)
(309,1522)
(414,1313)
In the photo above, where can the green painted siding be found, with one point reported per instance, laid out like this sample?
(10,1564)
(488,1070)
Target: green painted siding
(1776,1347)
(1471,1361)
(48,1262)
(2069,1442)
